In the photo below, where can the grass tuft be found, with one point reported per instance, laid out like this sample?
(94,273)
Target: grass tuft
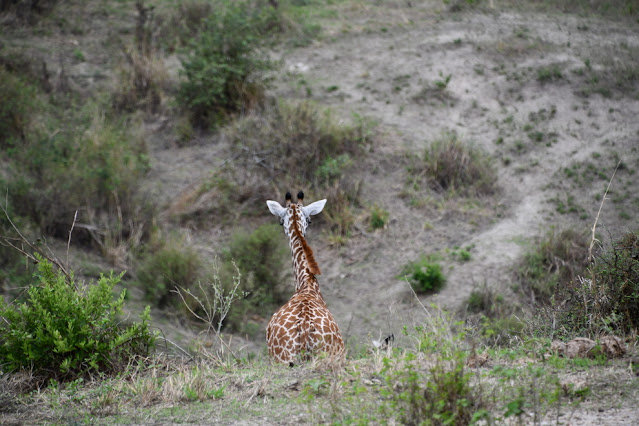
(451,165)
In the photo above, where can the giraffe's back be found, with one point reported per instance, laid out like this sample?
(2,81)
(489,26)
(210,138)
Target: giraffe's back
(303,326)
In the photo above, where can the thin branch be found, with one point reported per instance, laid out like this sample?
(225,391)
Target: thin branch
(51,258)
(594,225)
(70,231)
(176,345)
(417,298)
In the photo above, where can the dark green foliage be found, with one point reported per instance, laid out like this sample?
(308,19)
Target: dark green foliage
(424,275)
(441,395)
(64,330)
(378,218)
(223,69)
(606,298)
(558,258)
(451,165)
(18,100)
(171,265)
(261,257)
(59,162)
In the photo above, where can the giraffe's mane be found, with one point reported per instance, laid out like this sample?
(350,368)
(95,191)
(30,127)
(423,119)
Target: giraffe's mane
(312,265)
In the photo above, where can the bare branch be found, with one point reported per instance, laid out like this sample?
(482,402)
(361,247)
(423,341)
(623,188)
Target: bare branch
(50,257)
(70,231)
(594,225)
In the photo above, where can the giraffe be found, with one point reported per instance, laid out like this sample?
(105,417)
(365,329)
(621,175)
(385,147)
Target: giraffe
(304,325)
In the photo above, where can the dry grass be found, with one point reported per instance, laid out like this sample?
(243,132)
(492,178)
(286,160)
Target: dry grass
(450,165)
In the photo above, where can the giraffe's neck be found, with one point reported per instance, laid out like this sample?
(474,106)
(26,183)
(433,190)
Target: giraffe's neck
(304,275)
(304,265)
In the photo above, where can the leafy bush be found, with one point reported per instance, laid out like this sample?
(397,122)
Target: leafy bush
(223,69)
(602,299)
(378,218)
(64,331)
(19,101)
(261,257)
(300,139)
(172,264)
(431,385)
(558,258)
(424,275)
(488,315)
(451,165)
(85,161)
(440,396)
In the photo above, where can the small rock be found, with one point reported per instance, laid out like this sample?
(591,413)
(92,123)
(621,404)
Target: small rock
(579,347)
(558,347)
(613,346)
(478,360)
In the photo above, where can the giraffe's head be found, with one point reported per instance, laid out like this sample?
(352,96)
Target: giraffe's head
(295,212)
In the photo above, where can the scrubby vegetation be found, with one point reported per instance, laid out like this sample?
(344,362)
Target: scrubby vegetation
(173,264)
(558,258)
(450,165)
(424,275)
(65,330)
(601,299)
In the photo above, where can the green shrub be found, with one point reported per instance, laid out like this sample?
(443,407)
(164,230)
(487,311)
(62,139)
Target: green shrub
(424,275)
(451,165)
(223,70)
(173,264)
(493,320)
(19,101)
(64,330)
(88,162)
(261,257)
(602,299)
(558,258)
(378,218)
(441,395)
(303,140)
(549,73)
(332,168)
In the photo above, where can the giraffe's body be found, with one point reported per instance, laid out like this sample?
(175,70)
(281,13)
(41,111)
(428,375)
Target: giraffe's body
(304,325)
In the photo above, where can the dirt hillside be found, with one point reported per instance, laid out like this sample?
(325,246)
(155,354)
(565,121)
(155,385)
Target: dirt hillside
(519,86)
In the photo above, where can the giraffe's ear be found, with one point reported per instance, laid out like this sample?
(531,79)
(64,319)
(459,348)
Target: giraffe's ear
(276,208)
(314,208)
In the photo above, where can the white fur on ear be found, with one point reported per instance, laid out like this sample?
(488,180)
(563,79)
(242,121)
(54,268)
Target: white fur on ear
(314,208)
(276,208)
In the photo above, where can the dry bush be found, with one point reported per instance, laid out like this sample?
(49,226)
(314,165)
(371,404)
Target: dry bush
(142,79)
(142,82)
(293,145)
(19,103)
(27,11)
(297,139)
(454,166)
(557,259)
